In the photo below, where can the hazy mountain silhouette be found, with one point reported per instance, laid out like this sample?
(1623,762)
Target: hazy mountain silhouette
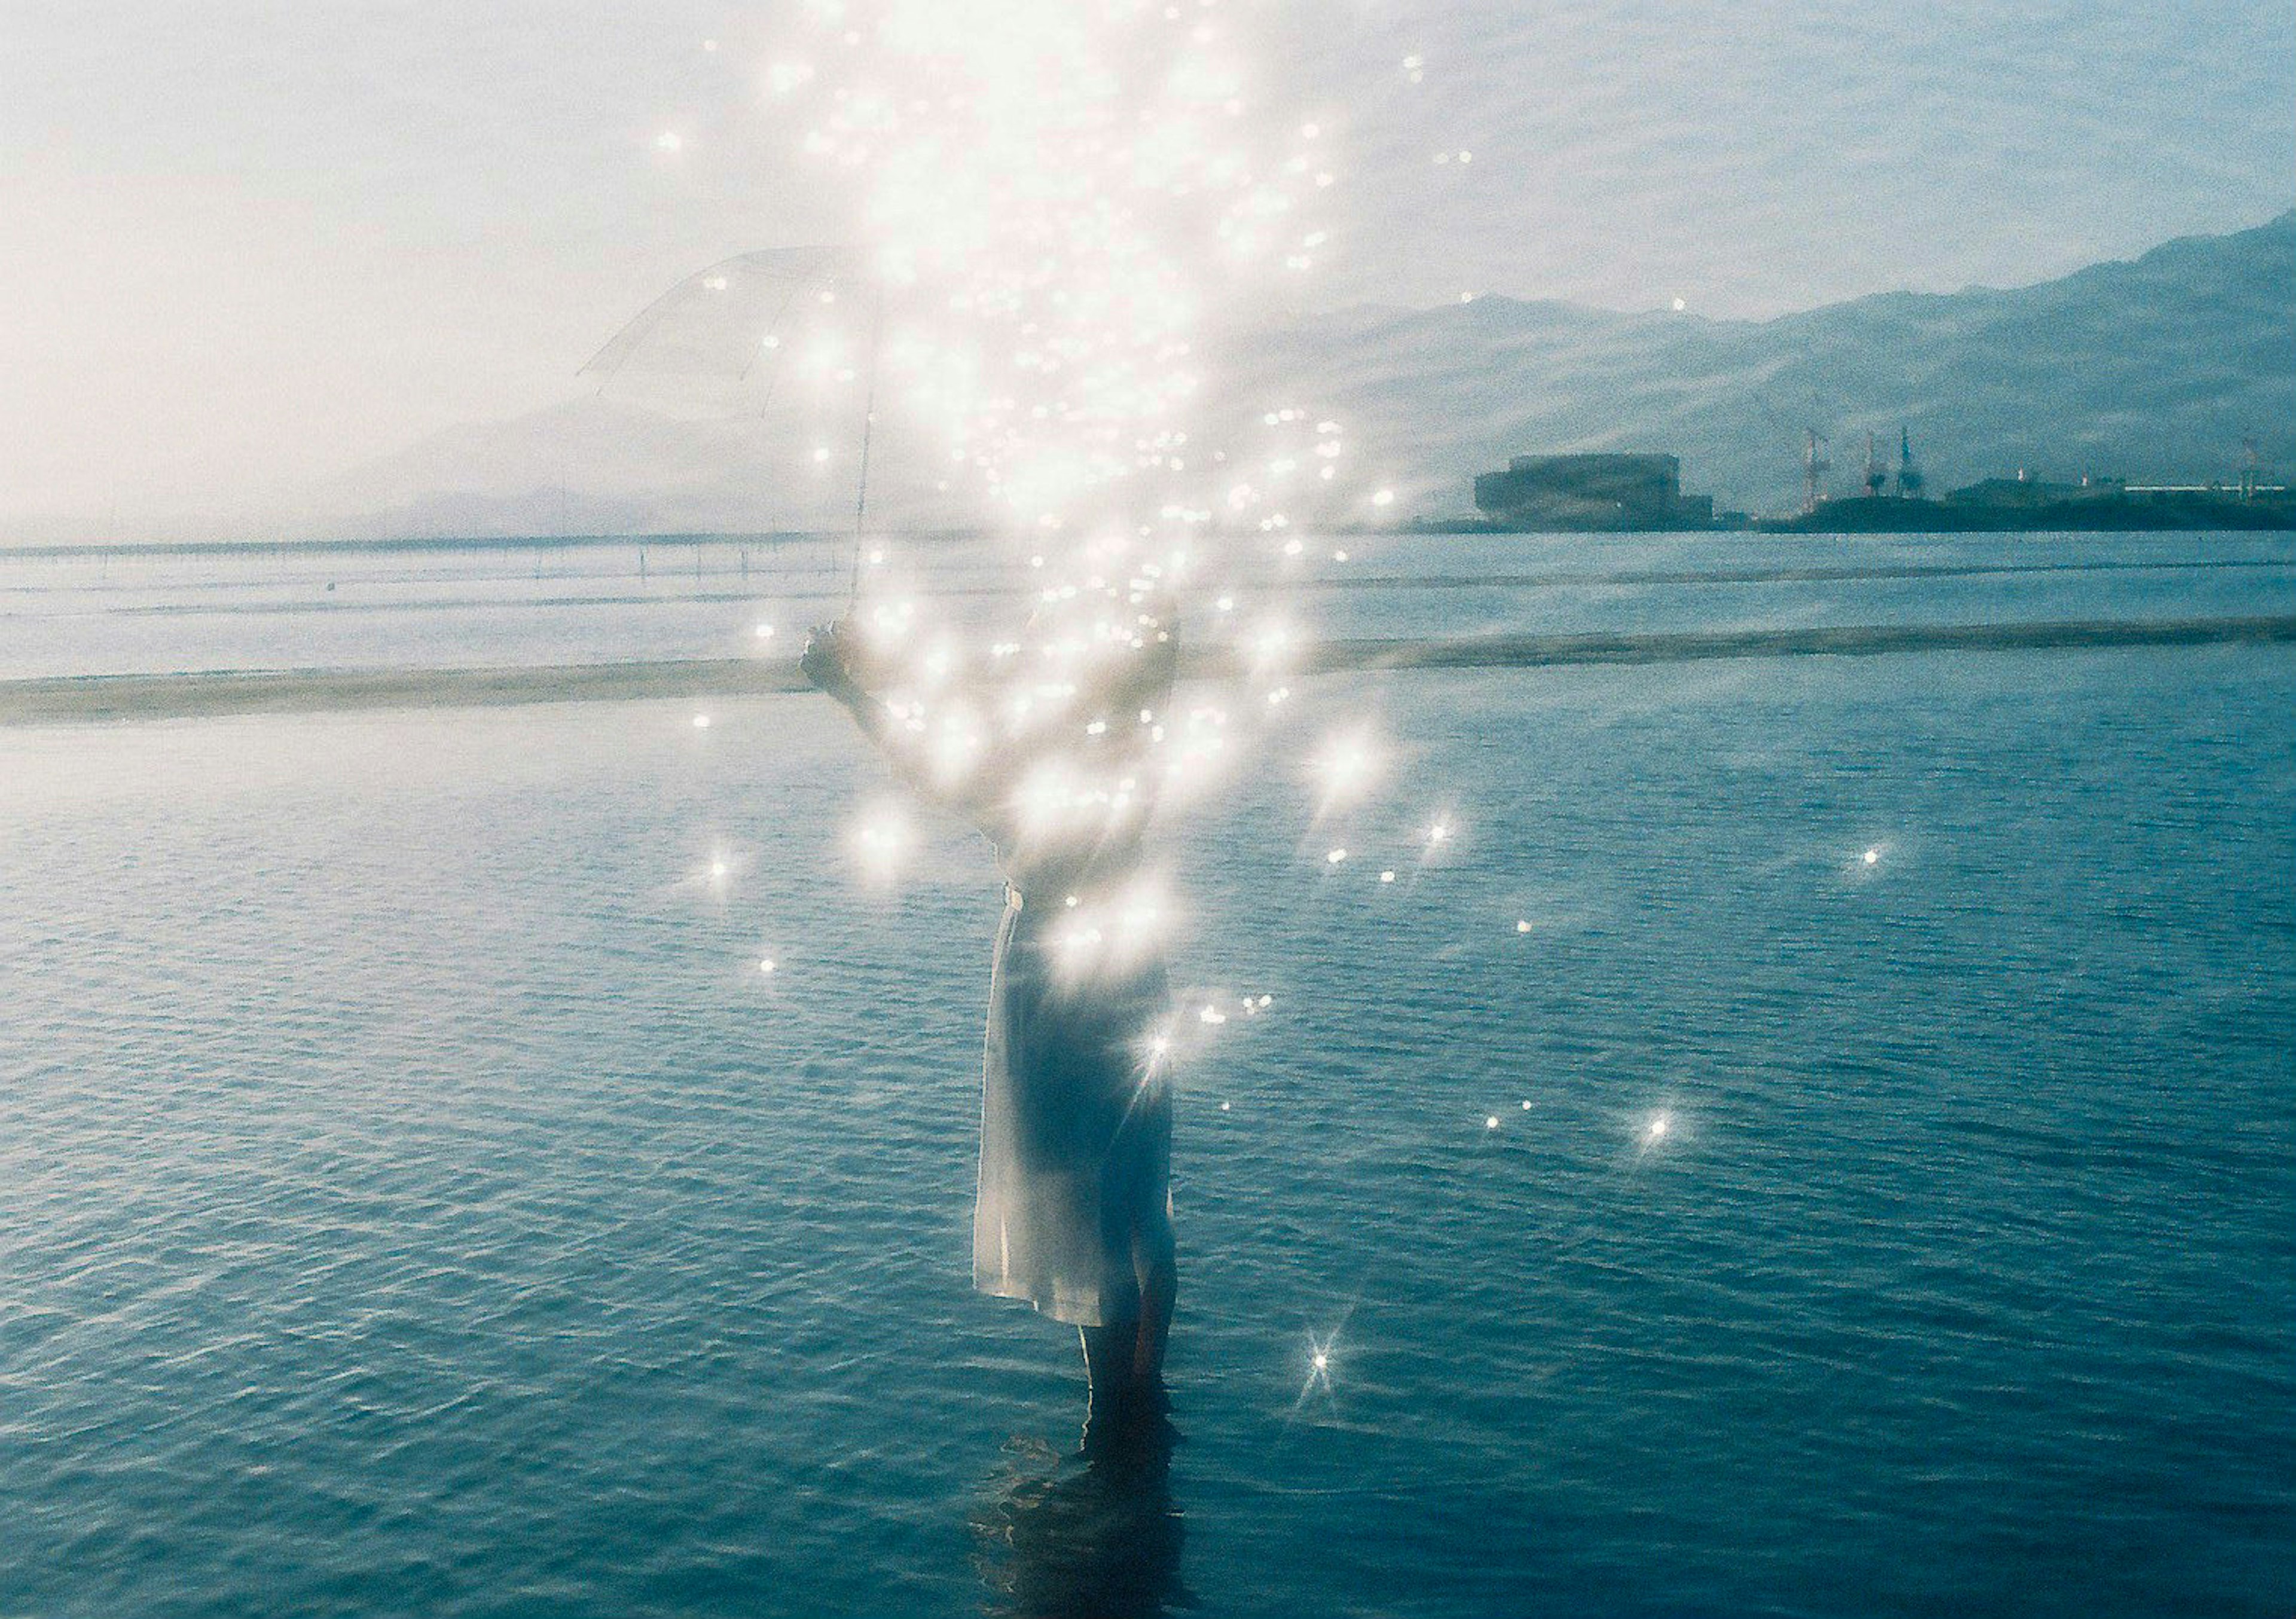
(2156,368)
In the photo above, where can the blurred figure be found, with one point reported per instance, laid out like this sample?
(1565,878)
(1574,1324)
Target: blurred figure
(1054,764)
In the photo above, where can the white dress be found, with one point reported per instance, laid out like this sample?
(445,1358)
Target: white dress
(1076,1123)
(1076,1120)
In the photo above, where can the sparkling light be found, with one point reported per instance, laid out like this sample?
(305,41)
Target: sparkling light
(1321,1353)
(1113,934)
(1056,200)
(1347,767)
(1063,185)
(883,841)
(1274,643)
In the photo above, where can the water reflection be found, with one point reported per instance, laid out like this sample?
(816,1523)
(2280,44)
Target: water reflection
(1088,1536)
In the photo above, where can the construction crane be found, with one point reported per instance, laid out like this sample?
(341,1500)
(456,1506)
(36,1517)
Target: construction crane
(1909,476)
(1814,466)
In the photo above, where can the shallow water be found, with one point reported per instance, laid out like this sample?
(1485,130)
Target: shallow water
(157,612)
(412,1198)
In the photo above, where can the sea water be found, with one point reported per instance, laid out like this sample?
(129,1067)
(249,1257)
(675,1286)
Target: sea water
(1820,1138)
(437,605)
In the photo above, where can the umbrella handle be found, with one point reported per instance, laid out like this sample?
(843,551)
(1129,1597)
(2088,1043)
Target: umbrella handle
(868,422)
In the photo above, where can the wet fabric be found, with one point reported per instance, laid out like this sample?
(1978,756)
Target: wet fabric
(1075,1127)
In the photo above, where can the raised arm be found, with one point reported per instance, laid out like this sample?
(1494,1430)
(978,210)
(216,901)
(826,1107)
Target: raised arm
(1085,770)
(978,790)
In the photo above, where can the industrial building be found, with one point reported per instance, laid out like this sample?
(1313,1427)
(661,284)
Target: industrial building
(1592,492)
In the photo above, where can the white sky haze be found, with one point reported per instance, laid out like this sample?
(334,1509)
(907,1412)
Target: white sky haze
(245,244)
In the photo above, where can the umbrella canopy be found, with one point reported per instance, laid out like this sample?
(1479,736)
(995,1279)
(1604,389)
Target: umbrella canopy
(742,318)
(787,336)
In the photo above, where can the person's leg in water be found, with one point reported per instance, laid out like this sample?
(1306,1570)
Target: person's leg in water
(1155,1265)
(1108,1353)
(1124,1357)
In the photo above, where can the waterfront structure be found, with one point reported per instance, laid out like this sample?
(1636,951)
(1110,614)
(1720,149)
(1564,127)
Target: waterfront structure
(2024,492)
(2033,505)
(1610,491)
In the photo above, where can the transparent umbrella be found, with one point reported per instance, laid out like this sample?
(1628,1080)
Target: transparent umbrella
(740,320)
(789,332)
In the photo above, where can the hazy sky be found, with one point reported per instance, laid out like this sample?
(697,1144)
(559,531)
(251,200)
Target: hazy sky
(245,243)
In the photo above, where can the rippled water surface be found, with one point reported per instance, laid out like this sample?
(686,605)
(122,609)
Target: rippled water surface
(157,612)
(413,1199)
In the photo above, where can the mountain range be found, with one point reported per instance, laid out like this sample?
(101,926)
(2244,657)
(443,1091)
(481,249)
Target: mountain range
(2159,369)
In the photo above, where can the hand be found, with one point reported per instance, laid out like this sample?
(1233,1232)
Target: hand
(827,661)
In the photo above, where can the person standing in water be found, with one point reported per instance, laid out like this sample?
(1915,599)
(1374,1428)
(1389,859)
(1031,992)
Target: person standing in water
(1074,1209)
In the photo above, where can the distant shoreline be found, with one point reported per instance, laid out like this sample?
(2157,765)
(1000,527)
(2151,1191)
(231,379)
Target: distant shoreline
(1858,520)
(350,602)
(443,543)
(1878,516)
(108,697)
